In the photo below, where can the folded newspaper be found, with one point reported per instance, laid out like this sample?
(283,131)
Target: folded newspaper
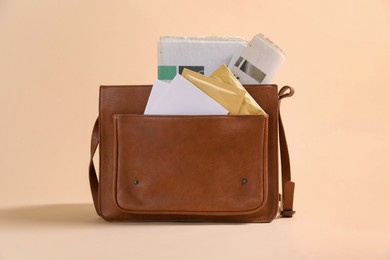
(200,54)
(252,63)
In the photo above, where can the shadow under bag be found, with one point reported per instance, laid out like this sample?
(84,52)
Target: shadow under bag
(206,168)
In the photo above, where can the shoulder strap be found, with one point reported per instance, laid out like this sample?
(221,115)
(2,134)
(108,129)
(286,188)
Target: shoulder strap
(93,180)
(287,185)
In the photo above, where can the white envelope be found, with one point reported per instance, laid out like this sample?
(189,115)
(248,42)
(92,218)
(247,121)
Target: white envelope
(181,97)
(159,87)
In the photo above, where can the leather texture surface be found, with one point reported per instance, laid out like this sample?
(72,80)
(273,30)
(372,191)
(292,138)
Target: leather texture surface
(181,168)
(190,164)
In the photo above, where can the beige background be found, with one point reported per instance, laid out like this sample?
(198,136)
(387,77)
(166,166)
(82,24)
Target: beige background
(55,54)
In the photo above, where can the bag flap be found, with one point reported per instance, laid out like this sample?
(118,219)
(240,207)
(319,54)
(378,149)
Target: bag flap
(190,164)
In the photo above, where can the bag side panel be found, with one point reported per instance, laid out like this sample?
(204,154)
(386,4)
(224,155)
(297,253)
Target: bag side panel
(267,97)
(115,100)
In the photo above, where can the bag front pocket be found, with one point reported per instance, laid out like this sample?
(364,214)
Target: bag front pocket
(190,164)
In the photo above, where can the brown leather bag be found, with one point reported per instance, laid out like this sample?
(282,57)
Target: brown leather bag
(189,168)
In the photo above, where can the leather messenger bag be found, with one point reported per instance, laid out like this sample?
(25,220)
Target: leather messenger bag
(202,168)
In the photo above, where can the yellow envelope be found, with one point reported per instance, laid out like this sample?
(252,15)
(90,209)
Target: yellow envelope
(229,96)
(249,105)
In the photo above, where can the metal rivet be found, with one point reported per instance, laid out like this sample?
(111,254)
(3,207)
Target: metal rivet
(135,182)
(244,181)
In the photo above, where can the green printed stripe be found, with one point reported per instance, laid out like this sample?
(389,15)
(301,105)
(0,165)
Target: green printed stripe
(166,72)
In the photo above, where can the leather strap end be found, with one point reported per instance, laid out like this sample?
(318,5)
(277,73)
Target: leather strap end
(288,213)
(288,198)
